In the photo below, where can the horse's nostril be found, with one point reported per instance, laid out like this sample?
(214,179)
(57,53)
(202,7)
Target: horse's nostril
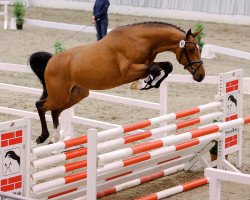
(199,78)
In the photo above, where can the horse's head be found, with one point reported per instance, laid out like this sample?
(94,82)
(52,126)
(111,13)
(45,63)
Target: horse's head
(188,54)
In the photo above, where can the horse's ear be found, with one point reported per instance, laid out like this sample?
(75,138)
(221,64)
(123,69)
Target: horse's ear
(188,33)
(197,33)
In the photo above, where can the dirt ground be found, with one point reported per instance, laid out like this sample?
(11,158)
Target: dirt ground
(17,45)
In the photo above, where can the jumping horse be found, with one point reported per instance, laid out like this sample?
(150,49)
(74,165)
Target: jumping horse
(123,56)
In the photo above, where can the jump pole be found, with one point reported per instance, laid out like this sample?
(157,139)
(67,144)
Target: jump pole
(175,190)
(119,131)
(114,143)
(169,140)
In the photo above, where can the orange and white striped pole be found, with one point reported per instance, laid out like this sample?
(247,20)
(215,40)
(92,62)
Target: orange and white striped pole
(158,152)
(140,181)
(50,160)
(120,130)
(175,190)
(60,170)
(156,131)
(170,140)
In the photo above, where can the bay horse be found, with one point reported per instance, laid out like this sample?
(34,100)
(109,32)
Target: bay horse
(123,56)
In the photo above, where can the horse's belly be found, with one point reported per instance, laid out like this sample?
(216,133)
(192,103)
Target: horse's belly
(100,81)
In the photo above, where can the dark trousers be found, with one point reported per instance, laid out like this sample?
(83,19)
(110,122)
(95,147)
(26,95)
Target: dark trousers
(101,28)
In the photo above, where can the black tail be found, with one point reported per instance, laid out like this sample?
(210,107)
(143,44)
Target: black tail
(38,62)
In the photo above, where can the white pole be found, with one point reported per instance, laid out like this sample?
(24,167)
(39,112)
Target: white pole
(164,98)
(163,105)
(27,171)
(92,164)
(5,16)
(67,127)
(214,189)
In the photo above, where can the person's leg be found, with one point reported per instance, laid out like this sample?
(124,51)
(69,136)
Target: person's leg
(104,27)
(98,30)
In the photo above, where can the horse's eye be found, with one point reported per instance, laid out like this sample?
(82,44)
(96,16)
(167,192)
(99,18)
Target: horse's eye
(191,50)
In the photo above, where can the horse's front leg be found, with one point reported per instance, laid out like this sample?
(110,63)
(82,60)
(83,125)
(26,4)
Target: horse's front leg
(158,71)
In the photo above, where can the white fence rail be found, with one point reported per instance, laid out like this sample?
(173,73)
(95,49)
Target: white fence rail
(217,175)
(208,51)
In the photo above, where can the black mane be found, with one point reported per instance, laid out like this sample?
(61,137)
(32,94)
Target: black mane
(156,23)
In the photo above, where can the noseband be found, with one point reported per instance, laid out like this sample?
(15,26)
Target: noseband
(190,63)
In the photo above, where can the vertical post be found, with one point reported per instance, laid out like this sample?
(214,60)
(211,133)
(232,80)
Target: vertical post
(240,114)
(220,145)
(163,104)
(92,164)
(67,127)
(27,157)
(164,98)
(214,189)
(231,92)
(27,2)
(5,16)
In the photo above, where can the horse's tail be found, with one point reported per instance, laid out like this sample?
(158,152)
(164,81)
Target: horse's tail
(38,62)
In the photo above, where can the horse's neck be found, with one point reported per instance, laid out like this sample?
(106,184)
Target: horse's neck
(166,39)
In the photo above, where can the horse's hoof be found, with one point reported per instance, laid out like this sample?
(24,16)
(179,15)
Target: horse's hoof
(136,85)
(40,140)
(52,141)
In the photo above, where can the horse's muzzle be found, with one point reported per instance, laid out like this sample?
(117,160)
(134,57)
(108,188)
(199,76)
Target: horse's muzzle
(198,78)
(199,75)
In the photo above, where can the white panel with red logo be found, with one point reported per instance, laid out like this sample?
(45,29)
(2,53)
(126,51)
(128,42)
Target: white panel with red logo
(232,97)
(12,156)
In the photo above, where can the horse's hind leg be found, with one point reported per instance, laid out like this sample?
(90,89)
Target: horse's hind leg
(56,98)
(41,112)
(76,95)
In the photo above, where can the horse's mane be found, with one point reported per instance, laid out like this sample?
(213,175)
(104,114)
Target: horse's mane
(155,23)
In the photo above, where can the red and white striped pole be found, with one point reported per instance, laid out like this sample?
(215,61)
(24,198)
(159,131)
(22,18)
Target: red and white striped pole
(140,181)
(175,190)
(164,129)
(50,160)
(202,139)
(158,152)
(126,128)
(169,140)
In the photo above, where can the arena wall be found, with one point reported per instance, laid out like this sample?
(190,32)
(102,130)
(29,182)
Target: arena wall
(222,11)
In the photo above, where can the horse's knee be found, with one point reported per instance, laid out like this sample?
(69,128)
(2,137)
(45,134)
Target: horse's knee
(158,72)
(154,70)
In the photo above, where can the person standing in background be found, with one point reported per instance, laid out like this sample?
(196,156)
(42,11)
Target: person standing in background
(100,17)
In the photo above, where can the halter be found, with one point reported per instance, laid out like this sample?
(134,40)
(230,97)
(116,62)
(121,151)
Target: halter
(182,44)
